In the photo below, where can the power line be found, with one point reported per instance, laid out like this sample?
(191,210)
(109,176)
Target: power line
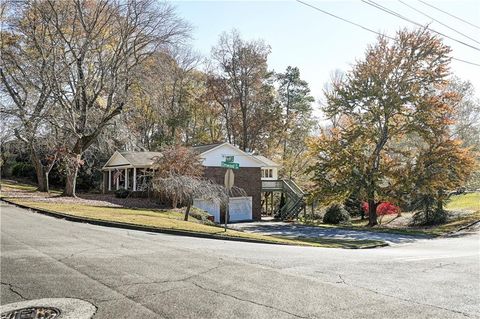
(464,61)
(367,29)
(340,18)
(453,16)
(396,14)
(445,25)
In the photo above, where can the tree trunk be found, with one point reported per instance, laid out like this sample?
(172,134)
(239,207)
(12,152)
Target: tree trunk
(39,170)
(372,213)
(440,201)
(71,183)
(187,211)
(47,182)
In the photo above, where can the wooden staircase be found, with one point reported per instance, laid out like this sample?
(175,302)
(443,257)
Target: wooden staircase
(294,197)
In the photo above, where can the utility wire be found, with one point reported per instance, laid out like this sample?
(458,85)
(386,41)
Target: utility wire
(340,18)
(453,16)
(445,25)
(370,30)
(396,14)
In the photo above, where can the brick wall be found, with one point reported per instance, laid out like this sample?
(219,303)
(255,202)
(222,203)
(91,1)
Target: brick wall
(248,178)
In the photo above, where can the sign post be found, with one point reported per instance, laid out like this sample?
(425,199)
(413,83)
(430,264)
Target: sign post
(229,180)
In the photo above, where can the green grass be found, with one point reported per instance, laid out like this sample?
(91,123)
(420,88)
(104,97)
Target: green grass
(17,186)
(10,185)
(470,201)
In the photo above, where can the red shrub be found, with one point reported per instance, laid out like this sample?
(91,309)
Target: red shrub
(384,208)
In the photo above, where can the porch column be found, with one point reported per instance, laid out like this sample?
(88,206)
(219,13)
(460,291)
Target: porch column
(118,181)
(109,179)
(126,178)
(134,179)
(271,204)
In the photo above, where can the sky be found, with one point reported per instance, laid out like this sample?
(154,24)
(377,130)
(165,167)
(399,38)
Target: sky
(319,44)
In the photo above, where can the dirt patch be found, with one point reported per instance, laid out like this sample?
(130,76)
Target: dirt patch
(405,220)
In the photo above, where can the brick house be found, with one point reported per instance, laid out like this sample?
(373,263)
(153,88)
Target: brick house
(132,170)
(248,177)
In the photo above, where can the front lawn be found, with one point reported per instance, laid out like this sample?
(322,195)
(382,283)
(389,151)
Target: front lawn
(107,209)
(468,202)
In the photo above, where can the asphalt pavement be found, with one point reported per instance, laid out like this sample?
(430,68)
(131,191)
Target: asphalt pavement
(134,274)
(297,230)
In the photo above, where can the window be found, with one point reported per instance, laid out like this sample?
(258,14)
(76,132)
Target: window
(267,173)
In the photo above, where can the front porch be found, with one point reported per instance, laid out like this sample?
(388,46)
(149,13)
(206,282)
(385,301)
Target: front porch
(132,171)
(130,178)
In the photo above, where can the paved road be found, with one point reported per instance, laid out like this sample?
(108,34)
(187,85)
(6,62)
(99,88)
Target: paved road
(295,230)
(130,274)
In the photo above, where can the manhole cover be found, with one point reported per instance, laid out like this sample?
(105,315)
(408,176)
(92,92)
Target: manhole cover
(32,313)
(48,308)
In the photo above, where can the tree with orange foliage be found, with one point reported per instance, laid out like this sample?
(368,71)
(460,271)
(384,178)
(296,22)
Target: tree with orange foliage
(387,108)
(178,160)
(439,163)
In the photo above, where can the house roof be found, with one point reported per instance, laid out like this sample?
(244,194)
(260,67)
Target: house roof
(140,158)
(128,159)
(205,148)
(267,161)
(146,159)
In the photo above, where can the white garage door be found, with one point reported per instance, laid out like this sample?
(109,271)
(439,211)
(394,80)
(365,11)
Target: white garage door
(240,208)
(209,206)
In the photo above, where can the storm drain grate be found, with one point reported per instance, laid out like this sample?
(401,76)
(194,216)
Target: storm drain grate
(32,313)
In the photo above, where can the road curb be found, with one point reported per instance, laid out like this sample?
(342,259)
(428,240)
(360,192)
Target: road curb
(112,224)
(376,230)
(458,232)
(98,222)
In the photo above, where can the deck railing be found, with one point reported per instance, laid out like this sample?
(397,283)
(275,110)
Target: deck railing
(294,197)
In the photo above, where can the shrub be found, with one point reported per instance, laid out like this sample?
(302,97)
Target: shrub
(385,208)
(353,205)
(429,218)
(336,214)
(202,216)
(122,193)
(22,169)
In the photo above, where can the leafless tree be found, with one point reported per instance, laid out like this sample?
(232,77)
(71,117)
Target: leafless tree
(26,87)
(184,189)
(95,50)
(243,77)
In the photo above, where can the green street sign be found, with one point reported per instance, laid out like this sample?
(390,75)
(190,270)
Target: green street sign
(229,159)
(230,165)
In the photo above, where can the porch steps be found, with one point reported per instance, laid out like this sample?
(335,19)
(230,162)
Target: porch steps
(294,197)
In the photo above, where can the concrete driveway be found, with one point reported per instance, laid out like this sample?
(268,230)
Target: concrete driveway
(296,230)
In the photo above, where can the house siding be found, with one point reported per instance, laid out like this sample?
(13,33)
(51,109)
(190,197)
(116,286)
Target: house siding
(247,178)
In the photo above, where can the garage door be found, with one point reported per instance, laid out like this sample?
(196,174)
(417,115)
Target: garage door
(240,209)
